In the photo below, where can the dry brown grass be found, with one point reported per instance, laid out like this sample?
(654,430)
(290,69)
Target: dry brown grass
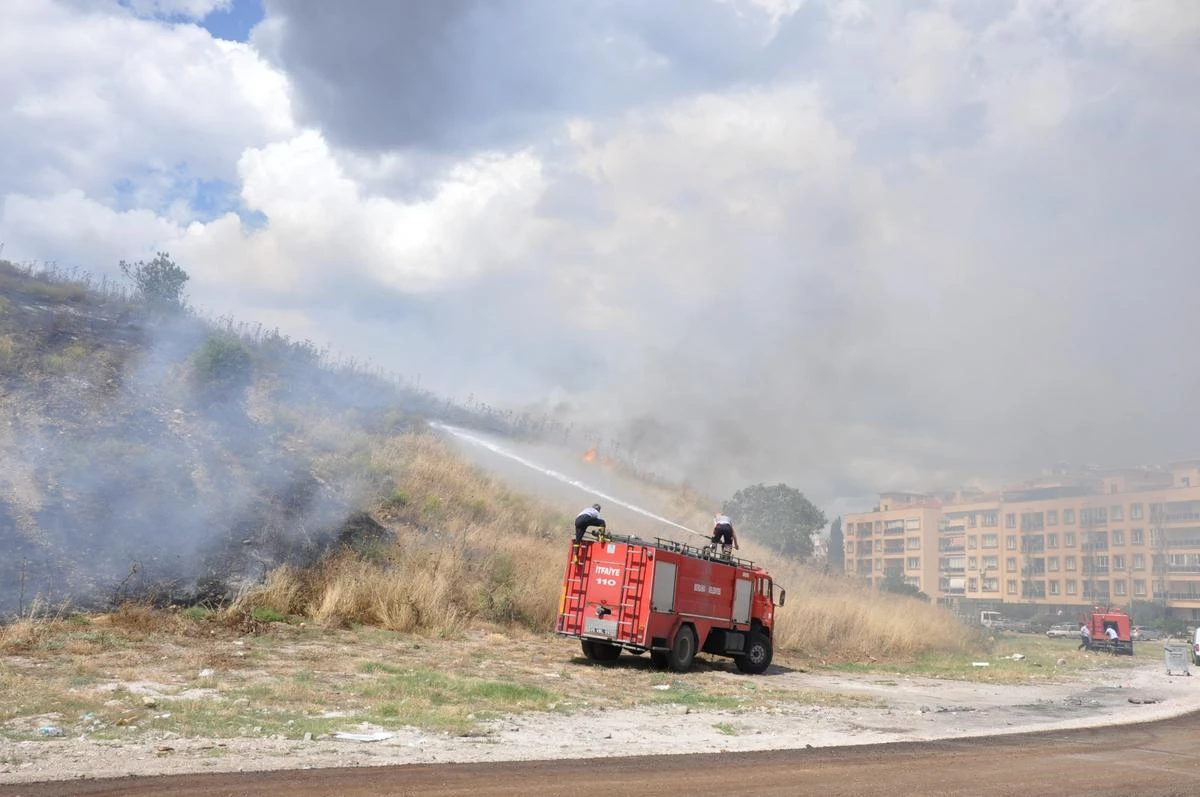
(466,549)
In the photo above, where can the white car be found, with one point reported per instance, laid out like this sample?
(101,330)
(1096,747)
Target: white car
(1196,647)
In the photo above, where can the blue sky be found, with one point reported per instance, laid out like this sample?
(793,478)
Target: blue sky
(235,23)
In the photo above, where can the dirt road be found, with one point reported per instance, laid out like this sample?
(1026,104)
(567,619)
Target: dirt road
(1161,758)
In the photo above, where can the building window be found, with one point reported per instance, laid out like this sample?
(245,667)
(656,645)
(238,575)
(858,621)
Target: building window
(990,541)
(914,563)
(1139,589)
(1068,517)
(1069,562)
(1012,587)
(989,519)
(972,542)
(1116,513)
(1118,562)
(1051,540)
(971,563)
(1052,564)
(1070,587)
(972,585)
(1118,587)
(1069,539)
(1139,561)
(1010,520)
(1155,537)
(991,584)
(972,520)
(1010,543)
(1118,537)
(878,546)
(912,524)
(1010,564)
(1053,587)
(1135,511)
(1136,537)
(1052,517)
(914,543)
(879,564)
(991,562)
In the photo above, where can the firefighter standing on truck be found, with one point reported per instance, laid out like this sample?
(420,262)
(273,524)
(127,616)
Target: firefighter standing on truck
(586,519)
(724,534)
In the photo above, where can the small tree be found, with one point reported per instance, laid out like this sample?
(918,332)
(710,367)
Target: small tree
(779,515)
(837,546)
(894,583)
(159,283)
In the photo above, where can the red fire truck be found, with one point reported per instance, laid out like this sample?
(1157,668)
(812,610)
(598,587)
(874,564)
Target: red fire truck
(670,599)
(1099,621)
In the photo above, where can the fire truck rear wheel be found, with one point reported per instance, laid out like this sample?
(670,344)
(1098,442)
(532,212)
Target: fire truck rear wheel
(683,649)
(595,650)
(758,655)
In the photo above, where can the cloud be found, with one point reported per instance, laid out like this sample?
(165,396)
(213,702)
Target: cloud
(849,246)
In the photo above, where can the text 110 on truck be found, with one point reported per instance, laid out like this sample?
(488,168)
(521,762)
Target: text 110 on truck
(673,600)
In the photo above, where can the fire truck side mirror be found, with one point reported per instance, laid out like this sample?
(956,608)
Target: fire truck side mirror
(779,598)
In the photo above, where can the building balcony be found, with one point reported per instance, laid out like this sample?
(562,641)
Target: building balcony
(1175,517)
(1179,597)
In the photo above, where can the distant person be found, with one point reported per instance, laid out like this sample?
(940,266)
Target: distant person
(724,534)
(1111,633)
(1085,637)
(587,519)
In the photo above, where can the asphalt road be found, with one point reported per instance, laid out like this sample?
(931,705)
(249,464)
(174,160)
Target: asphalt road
(1160,758)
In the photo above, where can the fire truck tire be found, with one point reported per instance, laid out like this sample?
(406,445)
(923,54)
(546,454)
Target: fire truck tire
(683,649)
(599,651)
(659,659)
(758,655)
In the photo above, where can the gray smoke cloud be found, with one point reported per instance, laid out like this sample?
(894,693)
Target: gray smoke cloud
(964,250)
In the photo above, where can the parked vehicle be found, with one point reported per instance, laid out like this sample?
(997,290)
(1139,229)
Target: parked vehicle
(1196,647)
(1063,630)
(674,600)
(990,619)
(1141,633)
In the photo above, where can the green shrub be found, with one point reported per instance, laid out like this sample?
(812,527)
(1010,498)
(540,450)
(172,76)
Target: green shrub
(223,363)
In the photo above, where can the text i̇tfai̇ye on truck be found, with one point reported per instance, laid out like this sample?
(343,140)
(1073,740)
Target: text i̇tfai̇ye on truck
(673,600)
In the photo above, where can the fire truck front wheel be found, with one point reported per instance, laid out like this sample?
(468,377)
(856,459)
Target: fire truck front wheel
(757,657)
(683,649)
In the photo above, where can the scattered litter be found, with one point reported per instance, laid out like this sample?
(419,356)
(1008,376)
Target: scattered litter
(662,687)
(954,709)
(1016,656)
(378,736)
(981,664)
(1144,701)
(207,673)
(149,702)
(164,751)
(50,730)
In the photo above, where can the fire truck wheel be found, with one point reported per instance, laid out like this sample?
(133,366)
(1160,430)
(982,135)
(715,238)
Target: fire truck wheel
(683,649)
(660,660)
(757,657)
(599,651)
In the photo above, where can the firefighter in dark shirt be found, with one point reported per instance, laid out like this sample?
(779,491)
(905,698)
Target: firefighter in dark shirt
(724,534)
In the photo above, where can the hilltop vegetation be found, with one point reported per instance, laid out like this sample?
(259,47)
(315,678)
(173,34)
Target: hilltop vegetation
(150,454)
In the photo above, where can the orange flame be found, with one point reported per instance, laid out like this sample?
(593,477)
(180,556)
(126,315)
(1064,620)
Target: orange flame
(590,455)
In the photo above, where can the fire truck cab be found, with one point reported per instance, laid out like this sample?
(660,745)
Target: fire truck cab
(673,600)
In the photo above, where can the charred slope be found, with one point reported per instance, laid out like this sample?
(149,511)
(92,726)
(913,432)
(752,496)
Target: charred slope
(169,458)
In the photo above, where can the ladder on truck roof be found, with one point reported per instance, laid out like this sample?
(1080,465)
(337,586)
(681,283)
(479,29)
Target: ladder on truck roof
(632,593)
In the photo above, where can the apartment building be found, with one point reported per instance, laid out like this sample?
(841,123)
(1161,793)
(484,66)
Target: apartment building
(1058,542)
